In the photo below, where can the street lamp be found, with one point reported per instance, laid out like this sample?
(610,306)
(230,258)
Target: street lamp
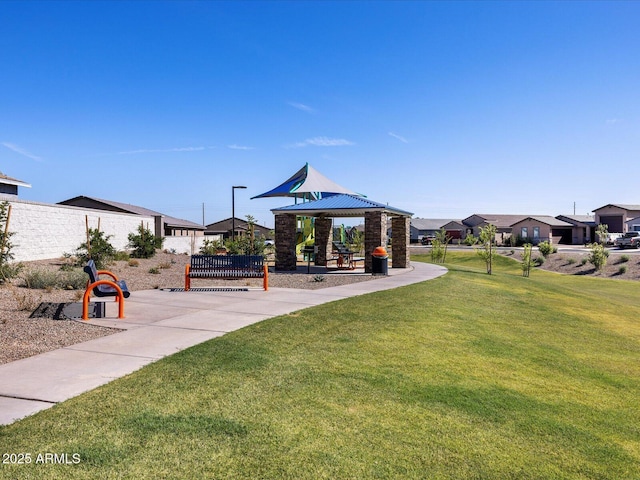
(233,210)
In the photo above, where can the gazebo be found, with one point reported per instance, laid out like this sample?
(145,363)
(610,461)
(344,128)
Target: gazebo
(323,199)
(342,205)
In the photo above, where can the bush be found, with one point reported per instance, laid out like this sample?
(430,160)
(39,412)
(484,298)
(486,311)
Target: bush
(598,256)
(211,247)
(622,269)
(75,279)
(538,261)
(546,248)
(470,240)
(41,279)
(624,258)
(145,243)
(7,270)
(99,249)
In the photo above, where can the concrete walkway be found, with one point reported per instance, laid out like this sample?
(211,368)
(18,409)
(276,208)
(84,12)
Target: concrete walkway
(159,323)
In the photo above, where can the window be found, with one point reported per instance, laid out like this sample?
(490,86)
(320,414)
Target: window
(536,233)
(524,233)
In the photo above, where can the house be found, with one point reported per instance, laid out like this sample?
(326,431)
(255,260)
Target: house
(616,216)
(165,226)
(9,186)
(583,230)
(543,228)
(502,223)
(224,227)
(421,227)
(633,225)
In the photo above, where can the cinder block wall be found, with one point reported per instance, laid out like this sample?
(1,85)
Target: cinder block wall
(45,231)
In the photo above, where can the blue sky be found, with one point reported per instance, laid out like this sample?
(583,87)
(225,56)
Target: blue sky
(443,109)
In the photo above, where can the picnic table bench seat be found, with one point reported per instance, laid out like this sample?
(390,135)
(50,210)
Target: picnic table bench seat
(103,287)
(226,267)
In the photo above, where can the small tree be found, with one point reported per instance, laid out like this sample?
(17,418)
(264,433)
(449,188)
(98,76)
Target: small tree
(526,260)
(357,241)
(145,243)
(598,256)
(7,271)
(439,246)
(487,250)
(602,233)
(98,248)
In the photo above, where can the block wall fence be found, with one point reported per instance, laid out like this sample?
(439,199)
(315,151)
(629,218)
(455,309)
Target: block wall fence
(47,231)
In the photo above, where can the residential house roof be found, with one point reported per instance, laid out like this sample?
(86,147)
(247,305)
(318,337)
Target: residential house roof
(619,205)
(226,225)
(110,205)
(430,223)
(499,220)
(547,220)
(12,181)
(578,220)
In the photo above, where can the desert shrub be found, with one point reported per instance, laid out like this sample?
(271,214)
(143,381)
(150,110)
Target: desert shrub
(622,269)
(99,249)
(469,240)
(318,278)
(154,270)
(144,243)
(624,258)
(584,261)
(571,261)
(546,248)
(598,256)
(41,279)
(75,279)
(7,270)
(538,261)
(133,262)
(211,247)
(122,256)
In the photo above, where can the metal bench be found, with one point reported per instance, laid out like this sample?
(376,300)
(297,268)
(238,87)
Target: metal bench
(226,267)
(102,287)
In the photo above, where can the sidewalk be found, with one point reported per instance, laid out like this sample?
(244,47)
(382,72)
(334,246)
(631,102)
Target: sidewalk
(159,323)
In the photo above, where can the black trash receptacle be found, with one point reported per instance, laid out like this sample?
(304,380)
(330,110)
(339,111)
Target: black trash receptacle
(380,261)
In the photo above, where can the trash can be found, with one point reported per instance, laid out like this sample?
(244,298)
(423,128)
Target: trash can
(380,261)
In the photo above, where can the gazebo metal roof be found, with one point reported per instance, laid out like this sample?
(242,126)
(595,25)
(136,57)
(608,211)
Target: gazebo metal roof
(344,205)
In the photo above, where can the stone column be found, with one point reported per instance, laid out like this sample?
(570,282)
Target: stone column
(286,258)
(323,226)
(375,235)
(400,238)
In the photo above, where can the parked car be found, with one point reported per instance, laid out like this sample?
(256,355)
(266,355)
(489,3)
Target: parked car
(427,239)
(629,239)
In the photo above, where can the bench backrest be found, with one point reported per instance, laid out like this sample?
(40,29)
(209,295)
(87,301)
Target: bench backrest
(239,263)
(92,271)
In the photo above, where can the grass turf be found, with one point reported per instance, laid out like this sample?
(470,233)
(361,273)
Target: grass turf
(465,376)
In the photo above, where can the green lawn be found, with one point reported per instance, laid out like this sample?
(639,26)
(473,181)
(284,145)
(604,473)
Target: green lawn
(466,376)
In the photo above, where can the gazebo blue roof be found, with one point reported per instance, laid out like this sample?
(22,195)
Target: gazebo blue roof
(344,205)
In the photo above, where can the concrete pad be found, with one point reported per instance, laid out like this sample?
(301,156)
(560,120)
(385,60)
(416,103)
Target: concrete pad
(12,409)
(215,321)
(61,374)
(151,342)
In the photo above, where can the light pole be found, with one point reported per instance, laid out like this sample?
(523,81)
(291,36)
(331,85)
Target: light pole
(233,210)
